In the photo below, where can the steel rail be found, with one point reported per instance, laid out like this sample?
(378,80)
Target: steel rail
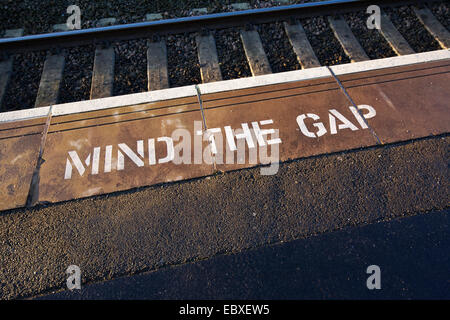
(131,31)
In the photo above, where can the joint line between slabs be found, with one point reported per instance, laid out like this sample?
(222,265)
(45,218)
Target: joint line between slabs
(200,102)
(372,131)
(33,192)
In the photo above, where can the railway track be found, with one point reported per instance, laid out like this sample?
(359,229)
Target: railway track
(61,67)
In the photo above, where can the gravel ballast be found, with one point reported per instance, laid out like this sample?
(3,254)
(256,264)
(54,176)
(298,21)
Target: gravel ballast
(23,85)
(325,45)
(373,43)
(277,47)
(441,12)
(232,60)
(130,74)
(77,77)
(183,65)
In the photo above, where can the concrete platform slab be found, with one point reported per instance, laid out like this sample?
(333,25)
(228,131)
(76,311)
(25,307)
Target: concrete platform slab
(19,151)
(96,153)
(301,111)
(414,100)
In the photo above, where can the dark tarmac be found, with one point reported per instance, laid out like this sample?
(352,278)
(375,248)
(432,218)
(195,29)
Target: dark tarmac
(192,232)
(412,254)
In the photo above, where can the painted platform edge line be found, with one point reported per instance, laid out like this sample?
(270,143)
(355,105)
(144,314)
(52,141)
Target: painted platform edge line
(222,86)
(391,62)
